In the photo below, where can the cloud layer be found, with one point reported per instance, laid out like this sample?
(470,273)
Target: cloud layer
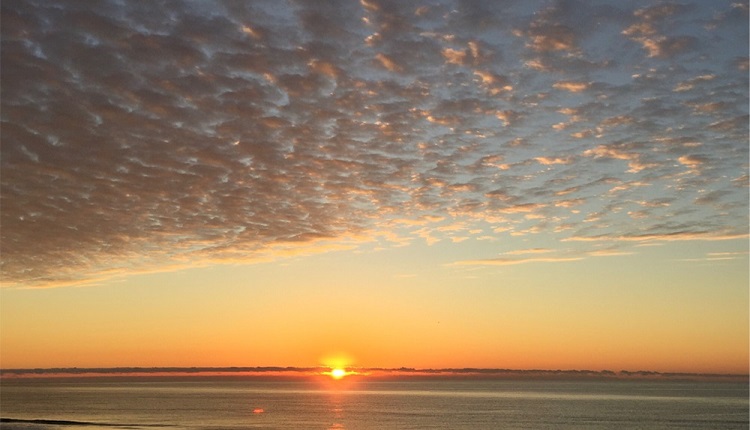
(142,135)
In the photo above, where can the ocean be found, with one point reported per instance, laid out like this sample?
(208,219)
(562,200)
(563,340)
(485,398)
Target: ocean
(205,403)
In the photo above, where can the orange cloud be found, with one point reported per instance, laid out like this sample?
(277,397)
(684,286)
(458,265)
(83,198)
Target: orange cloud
(453,56)
(573,87)
(387,62)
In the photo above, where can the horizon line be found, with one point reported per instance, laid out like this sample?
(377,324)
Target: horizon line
(400,371)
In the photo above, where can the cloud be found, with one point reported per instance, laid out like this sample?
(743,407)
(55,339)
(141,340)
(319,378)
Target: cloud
(508,116)
(529,251)
(474,53)
(692,161)
(668,237)
(387,62)
(491,80)
(248,131)
(646,31)
(573,87)
(691,83)
(252,32)
(552,160)
(633,158)
(454,56)
(608,253)
(727,255)
(514,261)
(546,33)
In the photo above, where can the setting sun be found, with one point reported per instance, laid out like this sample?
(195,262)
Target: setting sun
(338,373)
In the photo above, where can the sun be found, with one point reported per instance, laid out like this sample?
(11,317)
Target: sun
(338,373)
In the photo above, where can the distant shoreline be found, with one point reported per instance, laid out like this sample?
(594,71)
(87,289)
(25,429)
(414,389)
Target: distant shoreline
(375,373)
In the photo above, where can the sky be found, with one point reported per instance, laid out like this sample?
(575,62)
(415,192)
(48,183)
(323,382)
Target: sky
(430,184)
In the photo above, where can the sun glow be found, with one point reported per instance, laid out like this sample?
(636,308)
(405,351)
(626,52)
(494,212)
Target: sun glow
(338,373)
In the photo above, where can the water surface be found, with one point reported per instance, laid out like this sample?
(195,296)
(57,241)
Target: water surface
(432,404)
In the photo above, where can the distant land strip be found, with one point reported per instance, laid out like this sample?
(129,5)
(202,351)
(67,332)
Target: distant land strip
(402,372)
(75,423)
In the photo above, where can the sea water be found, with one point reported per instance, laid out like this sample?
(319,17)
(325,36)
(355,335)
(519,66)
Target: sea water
(202,403)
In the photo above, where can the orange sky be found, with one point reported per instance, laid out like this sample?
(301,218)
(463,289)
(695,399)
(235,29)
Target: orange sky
(517,318)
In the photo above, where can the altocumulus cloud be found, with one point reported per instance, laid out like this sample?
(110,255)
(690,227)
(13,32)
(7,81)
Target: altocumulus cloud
(147,135)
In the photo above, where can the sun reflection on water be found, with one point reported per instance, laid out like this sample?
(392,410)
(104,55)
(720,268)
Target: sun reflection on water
(337,410)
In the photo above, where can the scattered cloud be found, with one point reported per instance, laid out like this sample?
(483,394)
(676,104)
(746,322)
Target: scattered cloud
(634,159)
(718,256)
(573,87)
(553,160)
(678,236)
(692,161)
(609,253)
(514,261)
(529,251)
(454,56)
(248,131)
(388,63)
(647,30)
